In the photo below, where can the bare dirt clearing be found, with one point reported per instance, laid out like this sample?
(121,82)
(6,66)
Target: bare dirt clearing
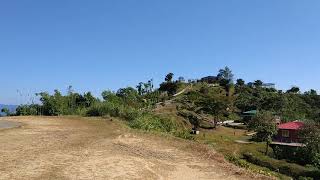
(88,148)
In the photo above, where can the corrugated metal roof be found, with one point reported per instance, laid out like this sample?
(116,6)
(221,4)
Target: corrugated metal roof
(291,125)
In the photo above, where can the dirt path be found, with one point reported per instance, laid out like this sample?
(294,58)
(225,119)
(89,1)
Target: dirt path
(79,148)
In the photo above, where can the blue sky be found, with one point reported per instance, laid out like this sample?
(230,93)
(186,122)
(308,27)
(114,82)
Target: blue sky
(108,44)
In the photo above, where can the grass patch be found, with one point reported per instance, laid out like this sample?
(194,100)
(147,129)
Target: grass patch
(290,169)
(223,140)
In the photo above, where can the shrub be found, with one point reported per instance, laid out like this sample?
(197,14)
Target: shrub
(139,119)
(290,169)
(114,110)
(185,134)
(150,122)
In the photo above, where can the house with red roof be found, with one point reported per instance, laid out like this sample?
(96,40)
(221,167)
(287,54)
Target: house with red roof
(288,134)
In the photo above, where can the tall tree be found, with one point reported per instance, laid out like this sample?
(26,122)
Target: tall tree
(140,88)
(258,83)
(225,74)
(311,134)
(240,82)
(169,77)
(181,79)
(265,126)
(294,90)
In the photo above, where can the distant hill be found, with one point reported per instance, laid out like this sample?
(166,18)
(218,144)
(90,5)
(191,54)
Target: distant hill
(12,108)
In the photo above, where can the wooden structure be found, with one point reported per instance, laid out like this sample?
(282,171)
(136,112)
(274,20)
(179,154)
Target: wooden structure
(288,134)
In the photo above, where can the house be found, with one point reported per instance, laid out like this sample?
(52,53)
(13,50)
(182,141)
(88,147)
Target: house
(288,134)
(264,85)
(269,85)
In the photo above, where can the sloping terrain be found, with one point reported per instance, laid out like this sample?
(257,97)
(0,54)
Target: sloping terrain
(89,148)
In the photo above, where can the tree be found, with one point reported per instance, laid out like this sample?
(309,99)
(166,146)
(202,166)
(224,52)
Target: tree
(89,99)
(145,88)
(49,104)
(294,90)
(127,93)
(265,126)
(212,102)
(130,96)
(258,83)
(148,87)
(311,138)
(110,96)
(240,82)
(312,92)
(225,74)
(169,77)
(181,79)
(140,88)
(6,111)
(169,87)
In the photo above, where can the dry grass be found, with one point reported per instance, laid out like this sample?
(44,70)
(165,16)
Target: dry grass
(95,148)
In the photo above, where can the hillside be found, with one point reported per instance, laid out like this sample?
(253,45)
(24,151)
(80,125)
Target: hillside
(95,148)
(178,108)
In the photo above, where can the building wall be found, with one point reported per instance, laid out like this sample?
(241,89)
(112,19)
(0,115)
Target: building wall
(293,136)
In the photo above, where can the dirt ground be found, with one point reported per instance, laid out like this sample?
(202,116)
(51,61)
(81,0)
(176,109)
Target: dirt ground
(91,148)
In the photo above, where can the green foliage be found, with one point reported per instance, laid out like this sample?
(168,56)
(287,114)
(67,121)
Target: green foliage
(169,77)
(6,111)
(264,124)
(193,118)
(199,101)
(207,100)
(316,160)
(258,83)
(130,97)
(114,110)
(169,87)
(240,83)
(281,166)
(249,98)
(292,154)
(225,75)
(27,110)
(311,134)
(294,90)
(151,122)
(265,127)
(145,88)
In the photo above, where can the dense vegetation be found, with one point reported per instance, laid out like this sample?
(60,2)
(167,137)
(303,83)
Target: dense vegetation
(200,103)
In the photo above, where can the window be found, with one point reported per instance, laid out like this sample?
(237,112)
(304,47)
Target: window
(285,133)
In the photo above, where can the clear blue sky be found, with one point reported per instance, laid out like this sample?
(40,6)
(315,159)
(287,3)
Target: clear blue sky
(104,44)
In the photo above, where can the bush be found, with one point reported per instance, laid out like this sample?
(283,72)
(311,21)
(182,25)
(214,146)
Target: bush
(290,169)
(139,119)
(150,122)
(237,161)
(114,110)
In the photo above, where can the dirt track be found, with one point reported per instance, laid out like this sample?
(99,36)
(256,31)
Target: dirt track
(79,148)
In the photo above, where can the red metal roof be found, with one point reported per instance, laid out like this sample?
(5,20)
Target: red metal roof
(291,125)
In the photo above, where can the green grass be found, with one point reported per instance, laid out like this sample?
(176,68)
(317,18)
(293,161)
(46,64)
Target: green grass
(223,140)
